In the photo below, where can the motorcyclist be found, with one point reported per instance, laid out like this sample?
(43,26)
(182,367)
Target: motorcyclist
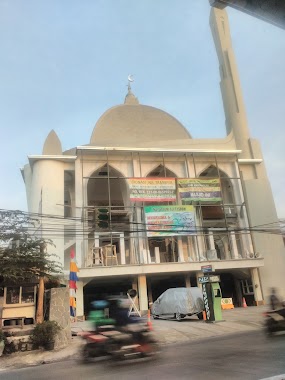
(119,311)
(97,314)
(118,316)
(275,302)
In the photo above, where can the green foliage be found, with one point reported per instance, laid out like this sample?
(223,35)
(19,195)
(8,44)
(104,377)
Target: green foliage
(2,336)
(9,347)
(23,255)
(44,333)
(102,218)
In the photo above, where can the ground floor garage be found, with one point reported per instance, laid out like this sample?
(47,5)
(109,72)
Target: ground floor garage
(235,284)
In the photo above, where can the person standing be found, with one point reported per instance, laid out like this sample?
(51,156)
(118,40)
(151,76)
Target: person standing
(275,302)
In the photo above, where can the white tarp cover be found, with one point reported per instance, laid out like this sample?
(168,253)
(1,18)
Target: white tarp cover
(179,300)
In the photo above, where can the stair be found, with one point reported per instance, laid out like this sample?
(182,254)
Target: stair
(18,339)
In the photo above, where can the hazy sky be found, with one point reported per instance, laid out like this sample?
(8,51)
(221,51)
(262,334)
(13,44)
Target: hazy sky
(64,63)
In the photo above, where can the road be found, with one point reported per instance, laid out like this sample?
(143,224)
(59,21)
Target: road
(238,356)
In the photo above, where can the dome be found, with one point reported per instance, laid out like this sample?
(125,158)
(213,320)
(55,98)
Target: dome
(52,145)
(133,124)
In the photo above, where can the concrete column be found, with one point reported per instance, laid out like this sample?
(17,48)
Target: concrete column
(79,300)
(144,258)
(196,247)
(247,244)
(193,248)
(96,240)
(133,259)
(180,250)
(234,249)
(142,287)
(187,280)
(258,298)
(157,255)
(135,284)
(149,291)
(201,247)
(226,248)
(199,274)
(81,244)
(122,249)
(211,240)
(140,239)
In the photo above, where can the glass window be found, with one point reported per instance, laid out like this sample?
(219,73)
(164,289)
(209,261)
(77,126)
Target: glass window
(247,287)
(27,294)
(13,295)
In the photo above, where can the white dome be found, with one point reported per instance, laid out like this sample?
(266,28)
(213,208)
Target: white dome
(133,124)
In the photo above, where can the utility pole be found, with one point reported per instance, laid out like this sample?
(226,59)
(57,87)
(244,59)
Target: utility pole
(41,291)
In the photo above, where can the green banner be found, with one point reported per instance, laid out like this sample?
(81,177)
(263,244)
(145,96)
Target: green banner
(197,189)
(169,220)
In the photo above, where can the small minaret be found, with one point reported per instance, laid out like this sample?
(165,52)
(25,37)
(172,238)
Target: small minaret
(234,108)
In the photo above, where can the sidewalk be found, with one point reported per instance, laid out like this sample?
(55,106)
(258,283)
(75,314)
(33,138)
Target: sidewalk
(167,331)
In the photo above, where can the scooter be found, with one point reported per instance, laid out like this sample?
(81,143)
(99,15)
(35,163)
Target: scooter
(134,341)
(274,321)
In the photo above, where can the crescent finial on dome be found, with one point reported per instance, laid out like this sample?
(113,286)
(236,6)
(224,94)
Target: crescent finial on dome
(130,97)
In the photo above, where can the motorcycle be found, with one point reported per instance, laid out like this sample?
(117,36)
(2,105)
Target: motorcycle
(134,341)
(274,321)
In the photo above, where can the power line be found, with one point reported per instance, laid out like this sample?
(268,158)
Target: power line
(50,225)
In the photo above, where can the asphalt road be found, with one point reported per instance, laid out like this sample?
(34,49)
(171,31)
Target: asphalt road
(239,356)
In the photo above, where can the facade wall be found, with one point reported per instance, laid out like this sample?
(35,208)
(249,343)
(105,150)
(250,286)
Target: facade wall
(46,197)
(139,164)
(262,214)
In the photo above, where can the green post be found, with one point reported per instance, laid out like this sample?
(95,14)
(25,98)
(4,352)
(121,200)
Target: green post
(217,297)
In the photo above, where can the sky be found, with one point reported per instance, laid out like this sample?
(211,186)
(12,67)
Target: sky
(64,63)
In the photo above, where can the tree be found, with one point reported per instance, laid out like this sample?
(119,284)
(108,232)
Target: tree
(24,255)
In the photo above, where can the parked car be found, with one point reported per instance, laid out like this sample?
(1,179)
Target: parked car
(178,303)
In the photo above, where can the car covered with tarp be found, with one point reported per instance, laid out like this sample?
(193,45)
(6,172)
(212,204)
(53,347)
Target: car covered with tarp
(178,303)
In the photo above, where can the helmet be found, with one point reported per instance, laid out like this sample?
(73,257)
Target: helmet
(100,304)
(123,303)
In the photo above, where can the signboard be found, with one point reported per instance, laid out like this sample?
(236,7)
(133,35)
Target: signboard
(205,279)
(207,302)
(169,220)
(227,303)
(197,189)
(152,189)
(207,268)
(214,278)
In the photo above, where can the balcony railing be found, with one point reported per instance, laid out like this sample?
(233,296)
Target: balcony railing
(201,249)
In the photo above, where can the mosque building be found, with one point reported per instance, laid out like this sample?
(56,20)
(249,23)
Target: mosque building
(145,206)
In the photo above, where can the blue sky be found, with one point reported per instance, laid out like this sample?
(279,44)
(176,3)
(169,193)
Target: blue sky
(64,63)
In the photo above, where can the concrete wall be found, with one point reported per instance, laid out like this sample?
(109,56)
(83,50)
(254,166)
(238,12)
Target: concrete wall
(59,312)
(262,213)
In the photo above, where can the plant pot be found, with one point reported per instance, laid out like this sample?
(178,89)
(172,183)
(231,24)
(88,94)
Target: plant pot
(49,346)
(2,346)
(35,346)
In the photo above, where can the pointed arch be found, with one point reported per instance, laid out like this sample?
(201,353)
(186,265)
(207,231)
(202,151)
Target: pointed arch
(104,187)
(226,183)
(161,171)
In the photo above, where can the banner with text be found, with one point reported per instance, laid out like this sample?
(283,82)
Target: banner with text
(169,220)
(197,189)
(152,189)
